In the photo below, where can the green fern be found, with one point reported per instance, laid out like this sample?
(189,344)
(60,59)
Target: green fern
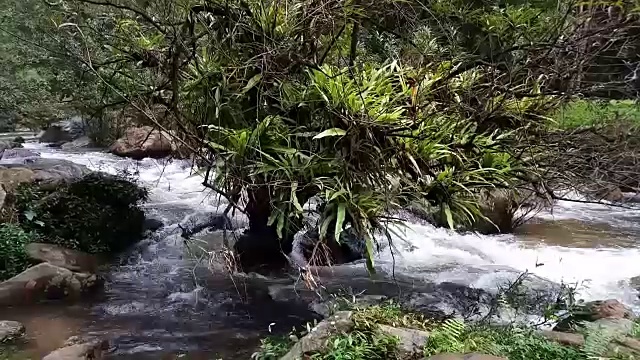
(448,337)
(596,340)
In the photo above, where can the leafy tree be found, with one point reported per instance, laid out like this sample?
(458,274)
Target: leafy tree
(361,108)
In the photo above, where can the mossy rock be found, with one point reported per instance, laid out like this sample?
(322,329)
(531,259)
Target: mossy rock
(99,213)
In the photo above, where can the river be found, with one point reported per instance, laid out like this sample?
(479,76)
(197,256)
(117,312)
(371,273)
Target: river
(156,306)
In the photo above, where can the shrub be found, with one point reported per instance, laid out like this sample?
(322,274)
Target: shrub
(97,214)
(13,257)
(510,342)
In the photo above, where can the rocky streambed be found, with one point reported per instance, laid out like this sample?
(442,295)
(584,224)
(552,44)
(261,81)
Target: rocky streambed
(165,297)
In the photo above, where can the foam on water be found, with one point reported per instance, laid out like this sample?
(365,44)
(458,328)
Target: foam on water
(444,255)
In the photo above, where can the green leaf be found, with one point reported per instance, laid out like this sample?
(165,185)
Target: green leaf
(369,257)
(325,226)
(339,221)
(29,214)
(280,226)
(294,197)
(330,132)
(447,212)
(252,82)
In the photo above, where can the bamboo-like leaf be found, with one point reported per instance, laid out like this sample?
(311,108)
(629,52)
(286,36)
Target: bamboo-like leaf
(447,212)
(324,227)
(294,197)
(369,257)
(280,225)
(252,82)
(330,132)
(339,221)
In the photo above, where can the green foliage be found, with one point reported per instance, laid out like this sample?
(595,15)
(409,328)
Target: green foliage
(97,214)
(359,344)
(13,257)
(272,348)
(389,313)
(509,342)
(594,113)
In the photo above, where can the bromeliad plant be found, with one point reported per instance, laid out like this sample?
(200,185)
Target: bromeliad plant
(362,145)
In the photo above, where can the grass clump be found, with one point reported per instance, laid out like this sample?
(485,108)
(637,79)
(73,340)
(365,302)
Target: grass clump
(97,214)
(597,112)
(453,336)
(273,347)
(392,314)
(13,257)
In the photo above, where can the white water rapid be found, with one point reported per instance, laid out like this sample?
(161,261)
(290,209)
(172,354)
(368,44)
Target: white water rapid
(153,296)
(603,271)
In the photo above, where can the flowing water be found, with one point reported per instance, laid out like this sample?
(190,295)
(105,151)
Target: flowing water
(156,306)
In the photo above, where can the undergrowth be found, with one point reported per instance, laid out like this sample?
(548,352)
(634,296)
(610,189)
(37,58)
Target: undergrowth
(453,336)
(97,214)
(597,112)
(449,336)
(13,257)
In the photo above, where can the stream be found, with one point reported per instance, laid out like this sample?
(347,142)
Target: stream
(158,305)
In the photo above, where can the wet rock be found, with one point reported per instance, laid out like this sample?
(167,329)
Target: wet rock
(152,224)
(10,331)
(93,350)
(43,170)
(613,194)
(4,145)
(46,282)
(19,153)
(83,142)
(411,343)
(472,356)
(143,142)
(18,140)
(63,131)
(66,258)
(564,338)
(317,339)
(10,178)
(498,207)
(207,221)
(592,311)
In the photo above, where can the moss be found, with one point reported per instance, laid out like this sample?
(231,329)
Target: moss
(97,214)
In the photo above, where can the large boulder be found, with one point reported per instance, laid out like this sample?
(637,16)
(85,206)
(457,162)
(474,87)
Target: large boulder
(46,282)
(63,131)
(593,311)
(144,142)
(411,341)
(11,178)
(19,153)
(79,143)
(92,350)
(43,170)
(10,331)
(65,258)
(498,207)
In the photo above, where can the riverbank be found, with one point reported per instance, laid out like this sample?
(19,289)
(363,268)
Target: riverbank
(387,331)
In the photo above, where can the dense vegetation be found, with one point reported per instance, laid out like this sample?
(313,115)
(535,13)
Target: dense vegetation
(361,108)
(365,341)
(14,259)
(98,214)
